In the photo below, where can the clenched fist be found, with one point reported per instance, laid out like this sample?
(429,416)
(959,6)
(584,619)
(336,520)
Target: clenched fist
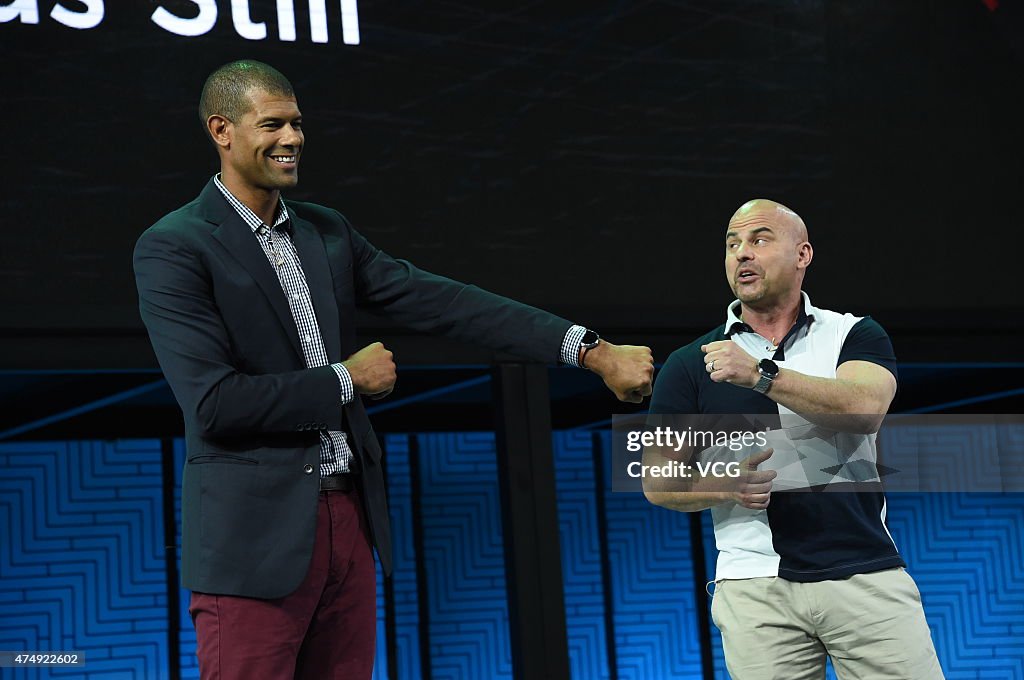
(373,371)
(627,370)
(727,362)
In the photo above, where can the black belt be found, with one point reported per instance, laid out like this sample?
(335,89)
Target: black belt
(339,481)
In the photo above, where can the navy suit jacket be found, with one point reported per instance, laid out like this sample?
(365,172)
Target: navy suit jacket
(225,338)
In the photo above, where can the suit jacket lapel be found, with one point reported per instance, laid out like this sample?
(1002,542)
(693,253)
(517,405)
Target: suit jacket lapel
(313,256)
(237,237)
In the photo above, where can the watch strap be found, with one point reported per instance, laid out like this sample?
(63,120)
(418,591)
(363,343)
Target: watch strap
(763,385)
(587,348)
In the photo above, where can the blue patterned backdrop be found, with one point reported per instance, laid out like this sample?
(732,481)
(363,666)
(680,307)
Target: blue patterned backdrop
(82,566)
(464,558)
(586,605)
(652,585)
(967,555)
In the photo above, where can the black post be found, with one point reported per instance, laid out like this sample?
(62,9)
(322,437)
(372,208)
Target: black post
(390,626)
(168,466)
(601,508)
(533,565)
(422,587)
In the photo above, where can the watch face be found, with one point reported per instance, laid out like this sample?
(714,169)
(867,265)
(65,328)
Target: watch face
(590,339)
(768,368)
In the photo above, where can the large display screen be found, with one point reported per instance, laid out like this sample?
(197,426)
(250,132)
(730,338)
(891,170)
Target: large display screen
(581,156)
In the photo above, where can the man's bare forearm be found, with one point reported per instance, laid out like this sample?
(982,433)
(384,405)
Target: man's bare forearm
(855,400)
(842,405)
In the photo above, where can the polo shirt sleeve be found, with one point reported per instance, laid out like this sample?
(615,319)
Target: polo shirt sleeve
(675,390)
(868,341)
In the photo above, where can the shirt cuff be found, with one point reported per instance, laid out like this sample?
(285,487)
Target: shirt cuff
(571,344)
(348,390)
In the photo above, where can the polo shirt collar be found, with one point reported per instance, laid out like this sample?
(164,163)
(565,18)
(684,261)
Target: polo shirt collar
(734,324)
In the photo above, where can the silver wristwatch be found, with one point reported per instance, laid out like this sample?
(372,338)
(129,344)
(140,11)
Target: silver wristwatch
(769,370)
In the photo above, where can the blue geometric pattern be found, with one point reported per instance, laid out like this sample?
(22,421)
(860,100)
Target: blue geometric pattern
(583,583)
(946,454)
(464,557)
(652,586)
(966,553)
(82,565)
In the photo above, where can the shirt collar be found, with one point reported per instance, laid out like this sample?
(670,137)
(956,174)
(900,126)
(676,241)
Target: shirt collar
(247,214)
(734,324)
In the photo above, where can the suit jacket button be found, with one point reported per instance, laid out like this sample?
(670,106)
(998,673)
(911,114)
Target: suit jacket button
(308,469)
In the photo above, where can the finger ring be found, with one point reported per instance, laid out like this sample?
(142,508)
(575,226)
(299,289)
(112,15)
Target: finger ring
(712,365)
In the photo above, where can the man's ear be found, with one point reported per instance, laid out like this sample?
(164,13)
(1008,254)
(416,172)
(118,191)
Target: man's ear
(220,129)
(805,255)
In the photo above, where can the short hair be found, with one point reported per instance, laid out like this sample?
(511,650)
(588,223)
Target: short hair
(226,91)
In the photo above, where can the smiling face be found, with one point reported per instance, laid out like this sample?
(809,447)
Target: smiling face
(766,254)
(267,142)
(260,151)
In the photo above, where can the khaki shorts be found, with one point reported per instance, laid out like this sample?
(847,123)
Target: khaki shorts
(871,625)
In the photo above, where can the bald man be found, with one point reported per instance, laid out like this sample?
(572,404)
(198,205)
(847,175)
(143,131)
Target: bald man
(801,576)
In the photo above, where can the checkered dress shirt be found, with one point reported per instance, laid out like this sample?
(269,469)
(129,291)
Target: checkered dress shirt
(276,241)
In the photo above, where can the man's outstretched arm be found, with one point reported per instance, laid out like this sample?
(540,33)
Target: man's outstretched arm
(435,304)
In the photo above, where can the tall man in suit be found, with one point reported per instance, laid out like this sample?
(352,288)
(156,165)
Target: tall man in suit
(249,301)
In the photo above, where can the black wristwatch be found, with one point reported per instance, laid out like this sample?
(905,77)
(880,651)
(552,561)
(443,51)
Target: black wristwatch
(769,370)
(588,342)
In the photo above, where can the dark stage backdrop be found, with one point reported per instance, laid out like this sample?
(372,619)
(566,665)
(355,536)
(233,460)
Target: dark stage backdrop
(582,156)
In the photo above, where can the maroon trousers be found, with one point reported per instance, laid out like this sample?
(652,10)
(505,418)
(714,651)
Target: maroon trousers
(325,629)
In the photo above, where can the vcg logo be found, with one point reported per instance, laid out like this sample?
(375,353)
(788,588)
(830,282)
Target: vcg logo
(89,14)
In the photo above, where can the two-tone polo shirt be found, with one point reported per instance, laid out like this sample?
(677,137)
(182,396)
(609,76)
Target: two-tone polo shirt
(805,536)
